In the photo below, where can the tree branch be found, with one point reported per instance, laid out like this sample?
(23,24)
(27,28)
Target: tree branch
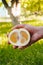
(5,3)
(14,1)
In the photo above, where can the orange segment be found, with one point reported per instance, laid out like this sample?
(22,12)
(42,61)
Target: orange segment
(24,34)
(22,40)
(14,37)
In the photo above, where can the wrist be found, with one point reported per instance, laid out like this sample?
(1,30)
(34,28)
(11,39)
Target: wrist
(40,29)
(42,34)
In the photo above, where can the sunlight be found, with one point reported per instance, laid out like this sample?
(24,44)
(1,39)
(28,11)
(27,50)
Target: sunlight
(0,40)
(16,10)
(3,39)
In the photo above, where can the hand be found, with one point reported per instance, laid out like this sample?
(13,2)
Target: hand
(35,32)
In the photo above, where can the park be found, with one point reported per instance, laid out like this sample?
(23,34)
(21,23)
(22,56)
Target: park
(31,14)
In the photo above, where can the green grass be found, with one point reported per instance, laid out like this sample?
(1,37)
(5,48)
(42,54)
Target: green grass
(32,55)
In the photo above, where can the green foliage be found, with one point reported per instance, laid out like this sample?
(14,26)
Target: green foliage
(0,4)
(32,5)
(30,56)
(4,27)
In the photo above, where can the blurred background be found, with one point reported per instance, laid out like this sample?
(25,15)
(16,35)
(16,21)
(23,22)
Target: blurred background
(31,13)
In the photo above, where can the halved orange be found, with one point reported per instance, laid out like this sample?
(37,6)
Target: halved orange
(19,37)
(14,37)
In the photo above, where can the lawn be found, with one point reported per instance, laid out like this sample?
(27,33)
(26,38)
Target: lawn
(32,55)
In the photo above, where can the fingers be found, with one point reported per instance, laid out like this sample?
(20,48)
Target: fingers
(23,47)
(18,26)
(15,47)
(20,47)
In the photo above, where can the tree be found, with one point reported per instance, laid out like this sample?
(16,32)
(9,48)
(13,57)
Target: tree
(13,18)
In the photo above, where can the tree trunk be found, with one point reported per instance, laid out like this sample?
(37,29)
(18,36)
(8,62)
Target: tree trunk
(13,18)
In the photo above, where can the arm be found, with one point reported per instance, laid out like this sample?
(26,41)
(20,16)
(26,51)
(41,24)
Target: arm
(35,32)
(37,35)
(40,29)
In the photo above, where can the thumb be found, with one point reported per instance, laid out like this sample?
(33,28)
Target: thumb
(18,26)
